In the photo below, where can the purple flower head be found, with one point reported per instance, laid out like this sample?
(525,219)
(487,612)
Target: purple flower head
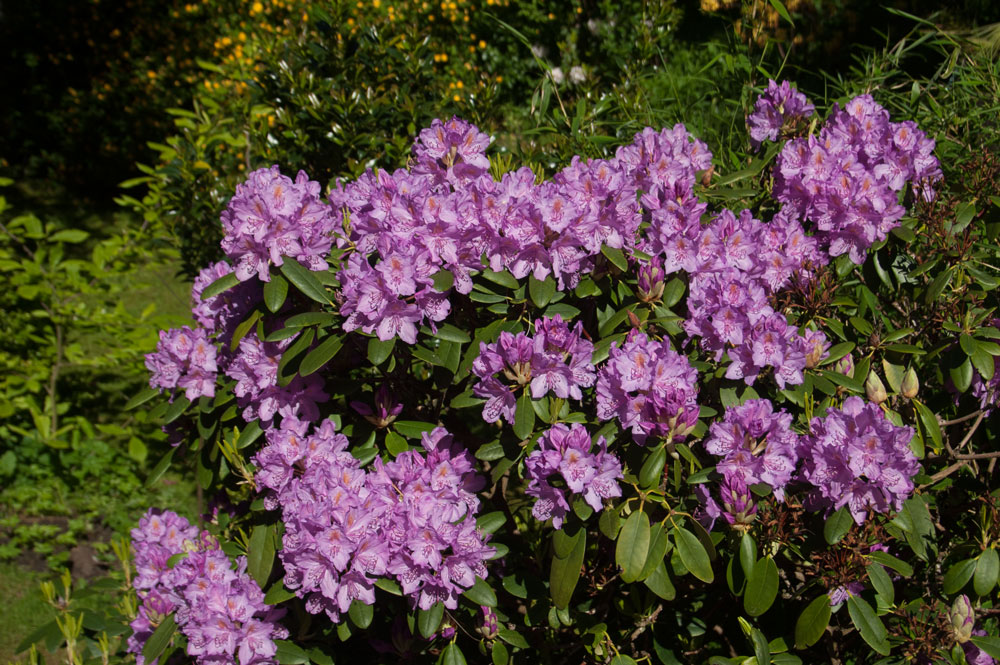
(777,112)
(651,280)
(735,504)
(184,358)
(454,150)
(856,457)
(566,451)
(757,445)
(841,593)
(271,217)
(221,314)
(650,388)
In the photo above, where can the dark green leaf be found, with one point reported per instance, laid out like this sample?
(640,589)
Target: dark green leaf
(499,654)
(452,334)
(988,643)
(837,525)
(541,292)
(761,649)
(762,587)
(249,434)
(321,355)
(633,546)
(176,410)
(160,468)
(657,549)
(937,286)
(141,397)
(361,614)
(958,576)
(748,554)
(378,350)
(565,572)
(868,624)
(967,343)
(413,429)
(278,594)
(443,280)
(961,376)
(429,620)
(983,362)
(659,582)
(275,292)
(321,319)
(513,638)
(260,553)
(780,8)
(930,423)
(838,351)
(987,568)
(159,640)
(622,660)
(812,622)
(304,280)
(609,523)
(524,416)
(652,468)
(616,257)
(395,444)
(289,653)
(881,582)
(889,561)
(452,655)
(481,593)
(503,278)
(224,283)
(693,554)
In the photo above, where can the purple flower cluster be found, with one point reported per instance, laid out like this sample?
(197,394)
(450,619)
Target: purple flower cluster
(412,518)
(777,111)
(184,358)
(219,610)
(567,451)
(221,313)
(556,360)
(650,388)
(272,217)
(735,504)
(741,262)
(856,457)
(846,180)
(757,445)
(255,369)
(448,213)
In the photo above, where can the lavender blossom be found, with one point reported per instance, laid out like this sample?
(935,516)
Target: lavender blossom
(780,109)
(184,358)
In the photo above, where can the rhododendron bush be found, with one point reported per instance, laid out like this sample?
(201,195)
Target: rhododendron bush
(622,412)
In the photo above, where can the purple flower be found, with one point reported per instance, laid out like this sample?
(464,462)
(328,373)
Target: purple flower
(840,594)
(566,451)
(184,358)
(271,217)
(780,108)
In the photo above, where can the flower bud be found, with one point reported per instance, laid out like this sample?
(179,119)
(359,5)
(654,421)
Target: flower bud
(962,618)
(490,627)
(845,365)
(816,345)
(910,385)
(650,281)
(874,388)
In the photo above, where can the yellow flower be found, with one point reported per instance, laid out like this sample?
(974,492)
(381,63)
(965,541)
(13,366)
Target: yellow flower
(457,98)
(257,8)
(482,43)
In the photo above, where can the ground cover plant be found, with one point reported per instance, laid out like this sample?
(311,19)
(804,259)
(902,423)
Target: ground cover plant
(459,407)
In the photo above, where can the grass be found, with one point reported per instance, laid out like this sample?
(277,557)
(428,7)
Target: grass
(23,609)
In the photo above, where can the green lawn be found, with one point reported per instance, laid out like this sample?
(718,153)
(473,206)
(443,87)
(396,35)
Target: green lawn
(22,610)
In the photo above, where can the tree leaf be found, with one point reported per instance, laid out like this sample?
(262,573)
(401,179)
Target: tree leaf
(988,643)
(616,257)
(224,283)
(652,468)
(481,593)
(813,621)
(958,576)
(452,655)
(160,468)
(159,640)
(987,568)
(499,654)
(275,292)
(541,291)
(524,416)
(249,434)
(659,582)
(361,614)
(450,333)
(881,582)
(290,653)
(513,638)
(260,553)
(378,350)
(633,546)
(961,376)
(761,649)
(889,561)
(304,280)
(141,397)
(837,525)
(762,587)
(321,355)
(657,549)
(868,624)
(748,553)
(693,554)
(429,620)
(565,572)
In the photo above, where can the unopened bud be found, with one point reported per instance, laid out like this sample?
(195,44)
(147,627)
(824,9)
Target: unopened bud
(845,365)
(650,282)
(910,385)
(874,388)
(816,346)
(962,618)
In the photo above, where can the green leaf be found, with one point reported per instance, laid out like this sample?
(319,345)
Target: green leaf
(452,655)
(837,525)
(481,593)
(987,568)
(260,553)
(622,660)
(450,333)
(958,576)
(141,397)
(321,319)
(762,587)
(275,292)
(565,571)
(502,278)
(413,429)
(321,355)
(159,640)
(938,285)
(881,582)
(609,523)
(693,554)
(429,620)
(813,621)
(633,546)
(983,362)
(176,410)
(499,654)
(838,351)
(889,561)
(249,434)
(930,423)
(748,554)
(657,549)
(69,235)
(868,624)
(160,468)
(652,468)
(395,444)
(378,350)
(224,283)
(278,594)
(290,653)
(968,343)
(443,280)
(761,649)
(780,8)
(616,257)
(304,280)
(541,292)
(513,638)
(659,582)
(961,376)
(524,416)
(361,614)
